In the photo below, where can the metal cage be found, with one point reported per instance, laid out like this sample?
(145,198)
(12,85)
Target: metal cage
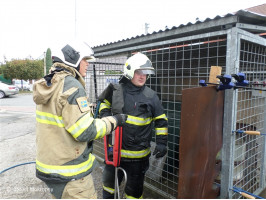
(180,63)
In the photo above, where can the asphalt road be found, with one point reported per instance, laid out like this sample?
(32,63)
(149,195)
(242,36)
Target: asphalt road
(17,113)
(19,100)
(17,146)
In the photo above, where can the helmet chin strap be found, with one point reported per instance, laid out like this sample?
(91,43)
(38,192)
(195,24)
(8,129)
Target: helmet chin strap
(78,67)
(123,79)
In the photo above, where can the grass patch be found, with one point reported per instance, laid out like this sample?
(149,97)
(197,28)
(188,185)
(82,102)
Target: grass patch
(25,92)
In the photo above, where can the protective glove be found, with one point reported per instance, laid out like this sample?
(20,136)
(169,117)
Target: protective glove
(160,150)
(120,119)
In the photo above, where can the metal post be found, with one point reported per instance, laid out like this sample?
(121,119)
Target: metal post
(95,83)
(263,160)
(230,108)
(146,28)
(116,194)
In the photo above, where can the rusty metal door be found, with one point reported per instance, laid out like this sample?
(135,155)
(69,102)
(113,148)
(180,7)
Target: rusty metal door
(200,142)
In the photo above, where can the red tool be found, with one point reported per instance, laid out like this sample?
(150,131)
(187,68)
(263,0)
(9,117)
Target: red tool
(113,151)
(113,155)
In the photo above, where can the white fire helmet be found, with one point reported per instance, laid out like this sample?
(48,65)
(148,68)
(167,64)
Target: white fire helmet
(138,61)
(73,52)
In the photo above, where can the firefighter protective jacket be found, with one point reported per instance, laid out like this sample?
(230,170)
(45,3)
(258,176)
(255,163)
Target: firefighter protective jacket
(65,126)
(143,107)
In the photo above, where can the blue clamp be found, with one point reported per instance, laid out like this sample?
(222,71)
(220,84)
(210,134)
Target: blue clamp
(203,83)
(226,82)
(240,78)
(225,79)
(226,86)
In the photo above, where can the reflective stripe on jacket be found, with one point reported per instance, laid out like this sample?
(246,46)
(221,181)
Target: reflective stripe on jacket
(135,154)
(70,171)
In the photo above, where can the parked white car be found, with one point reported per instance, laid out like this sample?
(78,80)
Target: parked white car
(6,90)
(24,84)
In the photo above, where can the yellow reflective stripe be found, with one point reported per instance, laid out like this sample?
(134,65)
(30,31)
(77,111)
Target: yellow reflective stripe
(82,124)
(163,116)
(100,128)
(66,170)
(107,102)
(108,189)
(131,197)
(104,105)
(161,131)
(135,154)
(48,118)
(138,120)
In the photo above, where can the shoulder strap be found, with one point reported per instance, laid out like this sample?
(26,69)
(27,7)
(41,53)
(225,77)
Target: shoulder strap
(116,92)
(118,99)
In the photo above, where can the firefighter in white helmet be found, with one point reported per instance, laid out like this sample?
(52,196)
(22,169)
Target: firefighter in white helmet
(143,108)
(65,125)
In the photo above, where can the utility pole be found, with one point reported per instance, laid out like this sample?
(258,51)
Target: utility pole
(146,28)
(44,63)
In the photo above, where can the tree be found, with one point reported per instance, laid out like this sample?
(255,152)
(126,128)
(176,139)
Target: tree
(23,69)
(48,60)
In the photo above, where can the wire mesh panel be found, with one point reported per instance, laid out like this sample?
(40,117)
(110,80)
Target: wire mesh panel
(99,75)
(178,65)
(249,150)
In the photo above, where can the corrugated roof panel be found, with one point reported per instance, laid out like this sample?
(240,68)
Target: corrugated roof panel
(260,9)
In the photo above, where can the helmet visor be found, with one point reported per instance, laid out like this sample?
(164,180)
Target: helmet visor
(148,71)
(90,58)
(145,71)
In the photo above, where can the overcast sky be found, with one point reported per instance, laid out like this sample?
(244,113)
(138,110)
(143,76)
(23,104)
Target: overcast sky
(29,27)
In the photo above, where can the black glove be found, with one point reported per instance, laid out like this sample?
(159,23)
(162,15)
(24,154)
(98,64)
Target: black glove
(160,150)
(120,119)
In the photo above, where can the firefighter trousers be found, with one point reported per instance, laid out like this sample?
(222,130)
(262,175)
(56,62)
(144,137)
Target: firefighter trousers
(77,189)
(135,178)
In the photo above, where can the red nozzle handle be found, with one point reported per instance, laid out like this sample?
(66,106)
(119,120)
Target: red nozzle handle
(116,148)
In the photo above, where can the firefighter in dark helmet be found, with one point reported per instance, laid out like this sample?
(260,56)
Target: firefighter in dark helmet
(65,125)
